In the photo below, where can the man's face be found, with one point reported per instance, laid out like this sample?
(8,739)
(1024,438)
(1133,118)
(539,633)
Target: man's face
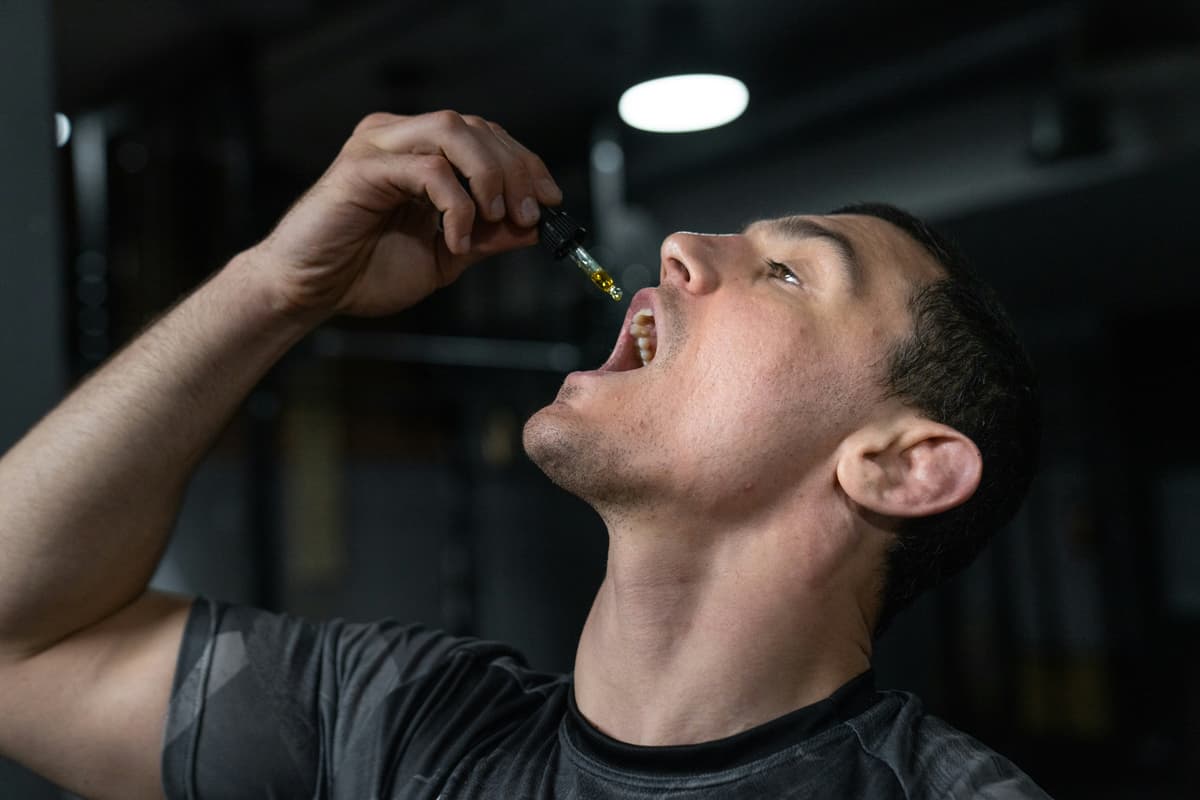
(771,347)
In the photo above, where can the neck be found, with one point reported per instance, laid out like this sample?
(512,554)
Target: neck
(697,634)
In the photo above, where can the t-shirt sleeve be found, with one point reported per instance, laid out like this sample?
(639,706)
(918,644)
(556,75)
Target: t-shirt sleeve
(262,702)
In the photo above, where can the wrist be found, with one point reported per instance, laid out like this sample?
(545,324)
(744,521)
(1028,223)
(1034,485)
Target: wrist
(266,296)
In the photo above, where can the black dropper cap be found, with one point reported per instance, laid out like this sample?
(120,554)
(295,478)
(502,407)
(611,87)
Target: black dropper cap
(559,233)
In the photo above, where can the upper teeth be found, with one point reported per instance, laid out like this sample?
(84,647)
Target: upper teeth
(642,329)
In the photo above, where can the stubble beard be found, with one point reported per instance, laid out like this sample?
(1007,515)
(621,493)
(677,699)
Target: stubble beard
(579,458)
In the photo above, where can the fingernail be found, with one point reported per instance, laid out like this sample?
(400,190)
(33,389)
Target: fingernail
(529,210)
(464,244)
(498,207)
(548,188)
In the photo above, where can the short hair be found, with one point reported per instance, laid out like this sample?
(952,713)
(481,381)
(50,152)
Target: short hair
(962,365)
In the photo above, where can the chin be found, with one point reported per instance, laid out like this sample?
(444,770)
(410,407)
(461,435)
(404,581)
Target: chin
(555,444)
(575,455)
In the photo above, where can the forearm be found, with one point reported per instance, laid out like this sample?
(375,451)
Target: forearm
(88,496)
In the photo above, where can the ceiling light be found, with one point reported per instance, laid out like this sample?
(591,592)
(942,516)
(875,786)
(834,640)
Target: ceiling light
(681,103)
(62,129)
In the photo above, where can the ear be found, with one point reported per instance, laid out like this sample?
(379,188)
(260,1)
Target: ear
(909,466)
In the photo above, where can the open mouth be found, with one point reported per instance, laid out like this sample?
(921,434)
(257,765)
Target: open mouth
(637,343)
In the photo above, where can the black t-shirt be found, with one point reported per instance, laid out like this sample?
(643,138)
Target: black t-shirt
(268,706)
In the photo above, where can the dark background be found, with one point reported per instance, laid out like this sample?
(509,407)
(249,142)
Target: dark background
(378,470)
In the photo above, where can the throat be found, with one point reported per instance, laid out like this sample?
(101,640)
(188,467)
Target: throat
(652,649)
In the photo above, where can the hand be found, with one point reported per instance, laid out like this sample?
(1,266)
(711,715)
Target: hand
(366,240)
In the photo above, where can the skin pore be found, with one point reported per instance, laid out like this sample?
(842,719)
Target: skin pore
(747,483)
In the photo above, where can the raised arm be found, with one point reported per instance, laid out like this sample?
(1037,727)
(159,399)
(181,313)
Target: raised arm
(88,496)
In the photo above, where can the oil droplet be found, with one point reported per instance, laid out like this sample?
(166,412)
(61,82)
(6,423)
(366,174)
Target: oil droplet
(601,278)
(596,273)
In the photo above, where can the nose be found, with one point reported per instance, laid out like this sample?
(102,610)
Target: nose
(689,260)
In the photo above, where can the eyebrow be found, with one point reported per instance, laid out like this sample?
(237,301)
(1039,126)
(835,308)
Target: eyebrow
(804,228)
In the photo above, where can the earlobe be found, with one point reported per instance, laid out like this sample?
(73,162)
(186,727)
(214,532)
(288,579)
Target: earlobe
(913,469)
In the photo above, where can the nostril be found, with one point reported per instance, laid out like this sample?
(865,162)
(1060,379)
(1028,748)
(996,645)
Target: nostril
(676,265)
(683,256)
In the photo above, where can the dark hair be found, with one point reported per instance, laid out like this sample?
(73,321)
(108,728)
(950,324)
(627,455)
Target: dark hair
(961,365)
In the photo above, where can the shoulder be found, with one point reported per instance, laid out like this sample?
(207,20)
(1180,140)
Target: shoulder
(931,758)
(287,705)
(337,651)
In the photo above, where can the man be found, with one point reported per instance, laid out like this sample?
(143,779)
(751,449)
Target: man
(829,419)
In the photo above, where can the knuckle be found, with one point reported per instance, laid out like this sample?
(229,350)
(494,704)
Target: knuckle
(434,167)
(475,121)
(447,119)
(373,120)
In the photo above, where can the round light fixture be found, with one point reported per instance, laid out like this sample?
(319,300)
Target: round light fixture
(62,129)
(682,103)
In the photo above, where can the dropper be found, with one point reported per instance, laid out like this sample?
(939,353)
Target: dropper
(563,237)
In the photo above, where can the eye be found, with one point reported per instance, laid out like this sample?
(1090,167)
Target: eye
(783,272)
